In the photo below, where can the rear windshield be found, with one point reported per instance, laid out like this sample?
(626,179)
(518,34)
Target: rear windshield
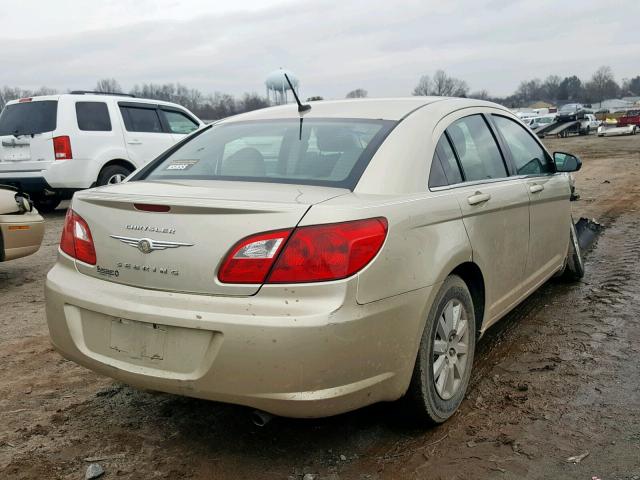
(29,118)
(330,152)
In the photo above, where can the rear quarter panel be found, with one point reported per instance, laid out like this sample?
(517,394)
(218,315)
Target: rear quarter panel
(426,240)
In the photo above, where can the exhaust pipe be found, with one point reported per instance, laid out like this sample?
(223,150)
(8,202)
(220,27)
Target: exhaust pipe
(260,418)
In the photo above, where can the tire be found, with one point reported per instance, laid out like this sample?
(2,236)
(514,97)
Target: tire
(113,174)
(574,265)
(430,398)
(47,204)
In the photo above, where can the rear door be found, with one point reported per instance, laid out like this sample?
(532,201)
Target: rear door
(495,209)
(548,192)
(144,132)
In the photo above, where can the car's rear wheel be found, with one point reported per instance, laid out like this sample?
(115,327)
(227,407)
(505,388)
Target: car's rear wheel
(47,204)
(445,357)
(113,174)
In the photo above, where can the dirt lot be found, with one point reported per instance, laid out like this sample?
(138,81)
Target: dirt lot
(558,378)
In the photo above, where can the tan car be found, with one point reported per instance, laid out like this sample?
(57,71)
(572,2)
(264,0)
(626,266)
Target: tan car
(308,263)
(21,227)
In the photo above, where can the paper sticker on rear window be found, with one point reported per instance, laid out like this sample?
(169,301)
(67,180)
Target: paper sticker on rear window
(181,164)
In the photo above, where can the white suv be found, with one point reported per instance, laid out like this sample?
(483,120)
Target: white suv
(52,146)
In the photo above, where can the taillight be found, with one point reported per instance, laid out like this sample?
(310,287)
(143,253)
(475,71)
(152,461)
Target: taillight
(315,253)
(62,148)
(250,260)
(76,240)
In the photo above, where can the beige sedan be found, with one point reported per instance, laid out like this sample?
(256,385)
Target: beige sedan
(308,262)
(21,227)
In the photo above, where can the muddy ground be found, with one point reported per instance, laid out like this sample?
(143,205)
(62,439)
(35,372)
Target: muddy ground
(558,378)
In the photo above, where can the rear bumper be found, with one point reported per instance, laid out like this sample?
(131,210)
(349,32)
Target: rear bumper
(59,176)
(28,182)
(298,351)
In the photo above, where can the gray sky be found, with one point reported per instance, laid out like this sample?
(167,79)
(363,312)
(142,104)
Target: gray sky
(332,45)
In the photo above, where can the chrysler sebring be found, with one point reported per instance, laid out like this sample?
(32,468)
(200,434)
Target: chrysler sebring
(308,262)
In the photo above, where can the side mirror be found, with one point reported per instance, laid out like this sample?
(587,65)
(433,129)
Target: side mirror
(565,162)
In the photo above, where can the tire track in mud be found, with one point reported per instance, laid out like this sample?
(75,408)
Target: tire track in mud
(620,270)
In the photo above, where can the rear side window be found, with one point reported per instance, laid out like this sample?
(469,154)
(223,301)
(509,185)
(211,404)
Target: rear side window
(141,119)
(477,150)
(437,177)
(179,122)
(93,116)
(445,164)
(528,156)
(29,118)
(448,159)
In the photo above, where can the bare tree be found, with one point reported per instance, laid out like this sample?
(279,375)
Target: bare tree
(424,86)
(251,101)
(446,86)
(441,85)
(631,86)
(529,91)
(602,85)
(13,93)
(357,93)
(108,85)
(571,89)
(480,95)
(551,87)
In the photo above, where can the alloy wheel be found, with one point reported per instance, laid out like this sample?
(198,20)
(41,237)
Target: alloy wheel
(450,349)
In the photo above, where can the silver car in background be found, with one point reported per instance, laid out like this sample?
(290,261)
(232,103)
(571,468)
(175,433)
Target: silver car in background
(310,263)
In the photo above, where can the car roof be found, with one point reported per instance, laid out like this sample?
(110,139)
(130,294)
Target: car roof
(361,108)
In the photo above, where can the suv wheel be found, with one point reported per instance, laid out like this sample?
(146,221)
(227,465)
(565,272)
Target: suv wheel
(445,357)
(113,174)
(47,204)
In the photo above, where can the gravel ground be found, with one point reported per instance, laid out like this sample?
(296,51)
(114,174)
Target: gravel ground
(557,378)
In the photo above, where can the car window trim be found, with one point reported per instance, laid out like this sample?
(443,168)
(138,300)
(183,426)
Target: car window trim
(148,106)
(476,182)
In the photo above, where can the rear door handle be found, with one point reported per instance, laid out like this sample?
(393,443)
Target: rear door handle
(535,188)
(478,198)
(134,142)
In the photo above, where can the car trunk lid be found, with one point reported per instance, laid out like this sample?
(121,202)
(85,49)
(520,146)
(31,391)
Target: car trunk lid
(205,220)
